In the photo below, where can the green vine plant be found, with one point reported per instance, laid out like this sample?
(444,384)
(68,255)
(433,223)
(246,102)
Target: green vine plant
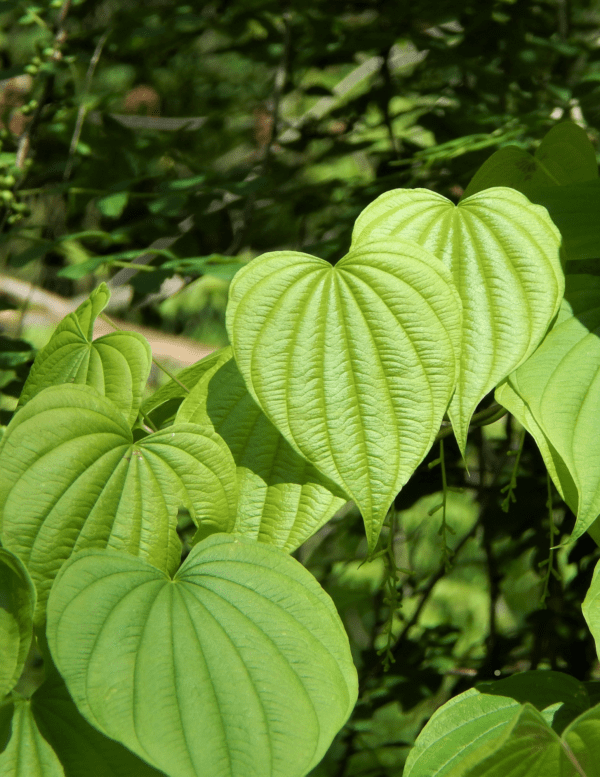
(336,385)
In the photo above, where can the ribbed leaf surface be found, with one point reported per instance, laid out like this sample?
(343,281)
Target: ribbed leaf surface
(503,253)
(282,499)
(116,365)
(71,477)
(354,364)
(239,666)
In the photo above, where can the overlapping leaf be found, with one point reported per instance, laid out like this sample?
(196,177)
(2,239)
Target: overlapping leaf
(503,253)
(591,607)
(482,735)
(558,396)
(282,498)
(565,156)
(48,737)
(238,667)
(116,365)
(17,604)
(27,753)
(354,364)
(71,477)
(162,406)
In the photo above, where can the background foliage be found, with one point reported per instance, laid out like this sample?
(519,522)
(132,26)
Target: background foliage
(214,132)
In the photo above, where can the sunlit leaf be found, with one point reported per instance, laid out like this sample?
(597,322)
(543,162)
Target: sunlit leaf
(116,365)
(71,477)
(17,604)
(238,666)
(354,364)
(162,405)
(503,253)
(282,498)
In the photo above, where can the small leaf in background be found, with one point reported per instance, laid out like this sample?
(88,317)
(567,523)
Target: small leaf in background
(112,205)
(503,253)
(560,386)
(117,365)
(17,605)
(238,666)
(282,499)
(354,364)
(71,477)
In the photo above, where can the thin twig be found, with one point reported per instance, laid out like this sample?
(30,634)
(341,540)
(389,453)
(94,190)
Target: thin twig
(82,106)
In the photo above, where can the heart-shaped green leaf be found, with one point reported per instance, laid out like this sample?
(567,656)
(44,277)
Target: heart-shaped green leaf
(17,605)
(238,667)
(560,387)
(116,365)
(354,364)
(503,253)
(71,477)
(282,498)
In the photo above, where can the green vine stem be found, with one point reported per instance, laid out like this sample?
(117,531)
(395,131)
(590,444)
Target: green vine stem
(549,562)
(445,528)
(512,485)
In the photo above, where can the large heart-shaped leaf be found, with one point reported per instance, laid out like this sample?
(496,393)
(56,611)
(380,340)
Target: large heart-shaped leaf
(71,477)
(282,498)
(239,666)
(503,253)
(354,364)
(560,388)
(116,365)
(17,604)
